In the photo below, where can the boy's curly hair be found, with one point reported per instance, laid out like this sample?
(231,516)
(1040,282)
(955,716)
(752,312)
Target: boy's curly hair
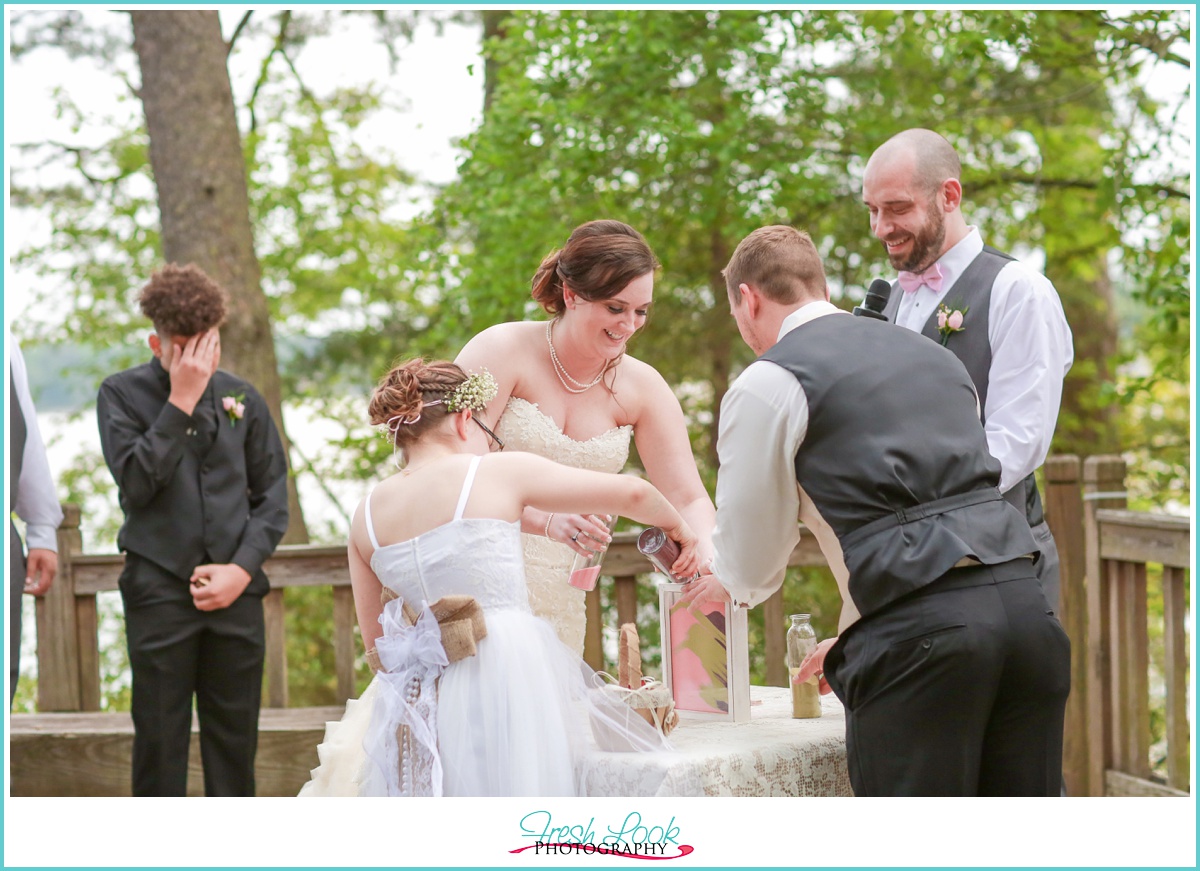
(182,301)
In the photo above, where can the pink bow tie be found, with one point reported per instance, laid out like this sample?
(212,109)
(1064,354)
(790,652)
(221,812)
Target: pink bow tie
(932,276)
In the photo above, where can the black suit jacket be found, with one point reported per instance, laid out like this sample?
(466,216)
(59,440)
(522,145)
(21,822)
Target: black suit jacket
(190,497)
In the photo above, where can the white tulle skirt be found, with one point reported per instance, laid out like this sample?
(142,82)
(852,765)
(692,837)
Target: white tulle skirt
(516,719)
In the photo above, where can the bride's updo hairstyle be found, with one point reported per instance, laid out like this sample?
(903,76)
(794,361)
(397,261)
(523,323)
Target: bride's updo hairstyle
(598,262)
(400,400)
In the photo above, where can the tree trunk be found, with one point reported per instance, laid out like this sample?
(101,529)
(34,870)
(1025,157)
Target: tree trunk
(200,174)
(1088,421)
(718,327)
(493,20)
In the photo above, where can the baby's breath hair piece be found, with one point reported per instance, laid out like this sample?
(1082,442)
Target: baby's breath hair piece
(475,393)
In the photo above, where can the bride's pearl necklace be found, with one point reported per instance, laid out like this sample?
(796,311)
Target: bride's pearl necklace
(561,371)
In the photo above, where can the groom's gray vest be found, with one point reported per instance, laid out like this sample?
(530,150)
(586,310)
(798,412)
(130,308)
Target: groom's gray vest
(974,289)
(894,457)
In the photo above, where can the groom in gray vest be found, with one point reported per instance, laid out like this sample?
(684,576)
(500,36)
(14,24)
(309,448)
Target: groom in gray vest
(1012,337)
(955,673)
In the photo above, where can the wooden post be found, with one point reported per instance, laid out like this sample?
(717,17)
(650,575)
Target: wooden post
(276,664)
(57,630)
(343,641)
(593,648)
(1176,673)
(1130,665)
(626,594)
(1064,513)
(87,633)
(1103,487)
(775,640)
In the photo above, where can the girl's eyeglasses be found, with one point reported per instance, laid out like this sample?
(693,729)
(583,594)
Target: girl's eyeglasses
(497,444)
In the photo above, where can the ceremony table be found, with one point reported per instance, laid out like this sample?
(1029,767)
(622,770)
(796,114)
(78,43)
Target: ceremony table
(772,754)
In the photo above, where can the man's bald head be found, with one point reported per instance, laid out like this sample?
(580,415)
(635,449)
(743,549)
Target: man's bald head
(932,159)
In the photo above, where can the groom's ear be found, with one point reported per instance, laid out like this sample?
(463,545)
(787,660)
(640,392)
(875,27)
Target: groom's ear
(751,299)
(155,344)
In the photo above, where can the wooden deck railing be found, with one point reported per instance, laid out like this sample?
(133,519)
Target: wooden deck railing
(1104,549)
(68,645)
(1105,552)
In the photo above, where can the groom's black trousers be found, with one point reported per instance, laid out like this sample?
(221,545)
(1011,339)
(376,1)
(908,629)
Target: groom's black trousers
(957,689)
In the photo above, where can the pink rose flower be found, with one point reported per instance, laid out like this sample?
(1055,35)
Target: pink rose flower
(234,407)
(950,321)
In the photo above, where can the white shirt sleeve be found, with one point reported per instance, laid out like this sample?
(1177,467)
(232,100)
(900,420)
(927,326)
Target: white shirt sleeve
(764,417)
(37,501)
(1031,352)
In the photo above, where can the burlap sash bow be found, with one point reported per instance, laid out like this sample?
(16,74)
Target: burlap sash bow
(412,763)
(460,619)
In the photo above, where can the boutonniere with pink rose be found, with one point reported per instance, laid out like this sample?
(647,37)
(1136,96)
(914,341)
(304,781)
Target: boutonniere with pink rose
(950,320)
(235,407)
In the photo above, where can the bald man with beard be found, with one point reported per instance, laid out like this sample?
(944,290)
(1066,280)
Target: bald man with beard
(1013,337)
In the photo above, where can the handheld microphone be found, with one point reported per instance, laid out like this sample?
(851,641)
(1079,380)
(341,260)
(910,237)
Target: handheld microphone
(875,301)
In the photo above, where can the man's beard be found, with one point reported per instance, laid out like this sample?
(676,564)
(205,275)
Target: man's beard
(926,245)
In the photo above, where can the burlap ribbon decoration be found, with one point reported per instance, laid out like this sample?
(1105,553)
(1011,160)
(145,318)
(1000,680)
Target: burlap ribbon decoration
(459,617)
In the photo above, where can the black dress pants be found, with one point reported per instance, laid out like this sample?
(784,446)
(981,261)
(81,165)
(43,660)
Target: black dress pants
(177,651)
(16,589)
(957,689)
(1047,566)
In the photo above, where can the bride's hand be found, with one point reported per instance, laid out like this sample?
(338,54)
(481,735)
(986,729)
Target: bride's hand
(584,533)
(688,562)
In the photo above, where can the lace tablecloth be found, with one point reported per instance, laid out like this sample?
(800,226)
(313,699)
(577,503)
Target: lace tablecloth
(773,754)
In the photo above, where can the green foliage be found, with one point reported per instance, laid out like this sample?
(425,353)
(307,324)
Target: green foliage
(1155,378)
(312,680)
(697,126)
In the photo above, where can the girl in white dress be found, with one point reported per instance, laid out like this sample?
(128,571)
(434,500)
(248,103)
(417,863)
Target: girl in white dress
(474,694)
(569,391)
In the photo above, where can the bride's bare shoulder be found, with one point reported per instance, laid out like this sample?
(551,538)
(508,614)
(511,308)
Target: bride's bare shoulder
(512,337)
(641,375)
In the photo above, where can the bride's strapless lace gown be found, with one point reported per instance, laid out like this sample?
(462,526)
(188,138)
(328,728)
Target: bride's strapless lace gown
(524,427)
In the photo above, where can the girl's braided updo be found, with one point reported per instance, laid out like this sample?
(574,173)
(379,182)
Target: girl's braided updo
(400,401)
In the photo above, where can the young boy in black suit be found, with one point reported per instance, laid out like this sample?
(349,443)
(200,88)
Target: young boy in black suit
(202,479)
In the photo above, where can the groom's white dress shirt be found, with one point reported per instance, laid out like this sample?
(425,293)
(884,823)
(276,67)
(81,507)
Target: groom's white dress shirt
(1031,353)
(764,418)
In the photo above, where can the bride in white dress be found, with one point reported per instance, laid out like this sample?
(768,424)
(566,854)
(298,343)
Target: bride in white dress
(569,392)
(473,694)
